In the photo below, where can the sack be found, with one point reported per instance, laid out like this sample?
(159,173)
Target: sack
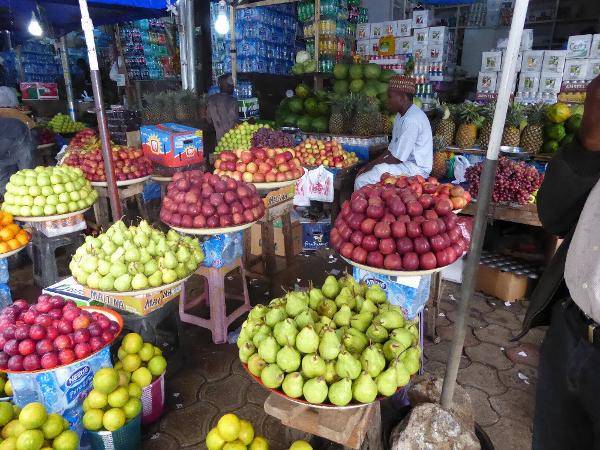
(461,164)
(320,185)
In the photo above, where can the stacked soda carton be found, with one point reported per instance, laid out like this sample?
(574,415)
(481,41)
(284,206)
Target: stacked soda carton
(416,36)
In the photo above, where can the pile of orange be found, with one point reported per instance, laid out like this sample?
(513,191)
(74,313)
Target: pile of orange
(12,236)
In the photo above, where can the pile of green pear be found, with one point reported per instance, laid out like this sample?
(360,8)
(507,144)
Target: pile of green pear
(342,343)
(134,258)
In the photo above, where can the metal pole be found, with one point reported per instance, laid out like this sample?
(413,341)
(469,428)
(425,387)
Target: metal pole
(113,191)
(232,44)
(64,59)
(182,43)
(190,37)
(483,200)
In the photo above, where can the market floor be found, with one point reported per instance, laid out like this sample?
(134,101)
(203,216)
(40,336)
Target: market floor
(499,375)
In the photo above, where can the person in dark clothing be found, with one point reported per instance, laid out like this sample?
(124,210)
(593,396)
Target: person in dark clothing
(223,107)
(567,416)
(82,80)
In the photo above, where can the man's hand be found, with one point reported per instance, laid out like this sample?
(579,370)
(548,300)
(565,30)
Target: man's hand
(589,133)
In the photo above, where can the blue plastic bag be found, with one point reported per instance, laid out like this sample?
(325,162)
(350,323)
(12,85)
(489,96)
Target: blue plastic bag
(222,249)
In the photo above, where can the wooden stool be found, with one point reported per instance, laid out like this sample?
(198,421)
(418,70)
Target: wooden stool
(125,193)
(355,428)
(267,236)
(214,293)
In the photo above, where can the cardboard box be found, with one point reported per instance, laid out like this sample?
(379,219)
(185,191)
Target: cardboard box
(141,305)
(404,27)
(438,35)
(486,81)
(550,82)
(435,53)
(532,61)
(575,70)
(595,48)
(256,239)
(506,286)
(420,51)
(172,145)
(315,235)
(404,45)
(422,18)
(593,69)
(387,46)
(39,91)
(421,36)
(554,61)
(373,48)
(529,82)
(491,61)
(363,31)
(362,47)
(390,28)
(376,30)
(579,46)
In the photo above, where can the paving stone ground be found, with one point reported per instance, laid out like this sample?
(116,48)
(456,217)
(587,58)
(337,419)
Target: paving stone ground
(499,375)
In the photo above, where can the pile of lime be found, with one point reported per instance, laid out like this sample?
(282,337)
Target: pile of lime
(32,428)
(114,400)
(141,360)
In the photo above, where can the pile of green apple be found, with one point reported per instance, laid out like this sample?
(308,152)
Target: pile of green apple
(134,258)
(46,191)
(341,343)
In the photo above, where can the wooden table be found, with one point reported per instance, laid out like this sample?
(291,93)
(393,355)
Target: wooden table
(524,214)
(101,206)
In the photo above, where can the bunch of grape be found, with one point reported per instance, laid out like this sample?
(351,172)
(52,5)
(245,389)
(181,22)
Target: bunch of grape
(515,182)
(267,137)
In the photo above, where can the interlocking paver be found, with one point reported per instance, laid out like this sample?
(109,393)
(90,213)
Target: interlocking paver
(484,414)
(439,352)
(189,425)
(510,434)
(519,377)
(226,394)
(489,354)
(160,441)
(524,354)
(482,377)
(495,334)
(447,334)
(476,319)
(514,403)
(504,317)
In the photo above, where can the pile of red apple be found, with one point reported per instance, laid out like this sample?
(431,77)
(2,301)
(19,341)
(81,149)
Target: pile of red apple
(430,186)
(389,227)
(129,163)
(53,332)
(203,200)
(260,165)
(85,140)
(315,152)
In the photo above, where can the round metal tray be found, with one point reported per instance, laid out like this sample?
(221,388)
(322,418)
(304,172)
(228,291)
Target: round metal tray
(153,290)
(12,252)
(394,273)
(50,218)
(212,231)
(122,182)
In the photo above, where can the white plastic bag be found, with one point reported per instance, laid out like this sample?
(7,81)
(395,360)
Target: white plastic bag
(461,164)
(320,185)
(301,193)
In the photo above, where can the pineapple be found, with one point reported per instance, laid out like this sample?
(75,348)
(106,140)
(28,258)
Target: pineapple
(487,112)
(515,116)
(151,110)
(445,126)
(532,137)
(337,118)
(469,118)
(365,118)
(184,105)
(440,157)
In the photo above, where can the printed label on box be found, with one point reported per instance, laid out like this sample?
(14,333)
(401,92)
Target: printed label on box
(421,36)
(404,45)
(550,82)
(422,18)
(376,30)
(420,51)
(595,48)
(438,35)
(575,70)
(363,31)
(532,61)
(387,46)
(491,61)
(486,81)
(362,47)
(529,81)
(593,69)
(579,46)
(436,53)
(404,27)
(389,28)
(554,61)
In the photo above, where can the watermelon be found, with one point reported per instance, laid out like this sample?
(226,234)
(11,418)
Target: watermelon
(310,106)
(302,90)
(340,87)
(356,71)
(321,94)
(320,124)
(290,120)
(298,68)
(323,108)
(340,71)
(303,123)
(356,86)
(310,66)
(369,91)
(372,71)
(382,88)
(386,74)
(295,105)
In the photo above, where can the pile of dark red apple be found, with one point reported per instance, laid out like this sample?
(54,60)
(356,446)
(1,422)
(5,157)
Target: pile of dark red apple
(203,200)
(53,332)
(129,163)
(388,227)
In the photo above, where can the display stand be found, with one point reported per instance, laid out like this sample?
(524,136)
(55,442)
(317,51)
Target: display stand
(44,152)
(353,428)
(163,182)
(279,206)
(126,192)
